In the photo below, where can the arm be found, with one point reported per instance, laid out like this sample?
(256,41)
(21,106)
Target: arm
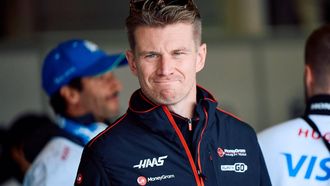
(91,170)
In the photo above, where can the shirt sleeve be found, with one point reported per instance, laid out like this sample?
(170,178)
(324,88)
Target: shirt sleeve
(91,170)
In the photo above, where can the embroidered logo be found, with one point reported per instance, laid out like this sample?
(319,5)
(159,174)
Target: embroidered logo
(79,179)
(231,152)
(220,152)
(151,162)
(65,153)
(320,106)
(141,180)
(237,167)
(161,178)
(91,46)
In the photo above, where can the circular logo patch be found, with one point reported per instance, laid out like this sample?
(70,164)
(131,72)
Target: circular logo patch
(220,152)
(79,179)
(142,180)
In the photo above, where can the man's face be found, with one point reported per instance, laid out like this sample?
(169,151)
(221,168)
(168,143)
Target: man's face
(166,60)
(100,95)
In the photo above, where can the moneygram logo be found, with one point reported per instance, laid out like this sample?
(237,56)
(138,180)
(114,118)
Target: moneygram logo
(160,178)
(143,180)
(231,152)
(151,162)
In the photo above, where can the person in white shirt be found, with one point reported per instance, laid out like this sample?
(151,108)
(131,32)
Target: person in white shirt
(78,77)
(297,152)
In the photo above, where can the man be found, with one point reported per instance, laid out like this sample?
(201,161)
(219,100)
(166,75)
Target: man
(27,135)
(172,133)
(297,151)
(83,91)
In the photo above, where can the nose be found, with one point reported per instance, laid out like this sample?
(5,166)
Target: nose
(165,66)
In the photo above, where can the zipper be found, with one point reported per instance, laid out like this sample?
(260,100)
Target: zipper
(199,147)
(185,146)
(199,168)
(190,124)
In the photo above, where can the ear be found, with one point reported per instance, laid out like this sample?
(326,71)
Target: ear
(309,80)
(131,61)
(71,95)
(201,56)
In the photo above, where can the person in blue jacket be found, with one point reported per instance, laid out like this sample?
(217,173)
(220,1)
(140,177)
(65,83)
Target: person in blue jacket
(172,133)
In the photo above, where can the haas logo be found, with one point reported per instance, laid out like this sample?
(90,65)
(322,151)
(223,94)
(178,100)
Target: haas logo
(151,162)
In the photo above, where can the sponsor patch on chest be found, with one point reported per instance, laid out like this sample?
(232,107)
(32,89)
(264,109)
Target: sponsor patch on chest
(231,152)
(237,167)
(151,162)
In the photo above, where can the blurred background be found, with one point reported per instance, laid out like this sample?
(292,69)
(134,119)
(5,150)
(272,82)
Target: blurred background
(255,51)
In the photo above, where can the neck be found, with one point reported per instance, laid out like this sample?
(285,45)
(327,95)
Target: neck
(77,112)
(185,110)
(85,119)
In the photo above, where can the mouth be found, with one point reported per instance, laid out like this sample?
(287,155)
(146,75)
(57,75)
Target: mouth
(113,96)
(165,81)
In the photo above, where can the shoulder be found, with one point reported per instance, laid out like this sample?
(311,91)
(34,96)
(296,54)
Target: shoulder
(231,127)
(286,135)
(57,159)
(233,122)
(59,149)
(115,130)
(281,128)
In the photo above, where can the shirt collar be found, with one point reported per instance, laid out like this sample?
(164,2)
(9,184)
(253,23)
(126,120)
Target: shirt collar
(319,104)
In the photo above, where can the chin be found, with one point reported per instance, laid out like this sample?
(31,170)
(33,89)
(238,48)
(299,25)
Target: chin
(166,101)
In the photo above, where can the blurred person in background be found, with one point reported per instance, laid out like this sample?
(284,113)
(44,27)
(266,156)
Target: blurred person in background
(297,152)
(172,133)
(83,90)
(6,172)
(23,141)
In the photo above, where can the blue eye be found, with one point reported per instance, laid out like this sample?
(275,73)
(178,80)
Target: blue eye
(151,56)
(179,52)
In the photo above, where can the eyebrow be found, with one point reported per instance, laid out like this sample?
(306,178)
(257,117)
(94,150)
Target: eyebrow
(181,49)
(155,52)
(143,53)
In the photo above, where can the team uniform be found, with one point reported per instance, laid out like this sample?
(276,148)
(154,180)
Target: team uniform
(149,145)
(58,161)
(295,153)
